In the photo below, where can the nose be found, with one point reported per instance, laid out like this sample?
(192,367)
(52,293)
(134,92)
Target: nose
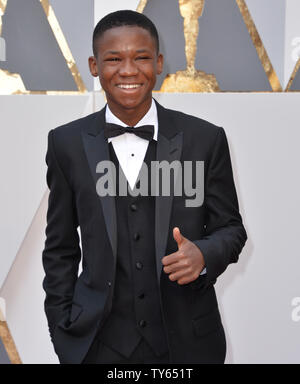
(128,68)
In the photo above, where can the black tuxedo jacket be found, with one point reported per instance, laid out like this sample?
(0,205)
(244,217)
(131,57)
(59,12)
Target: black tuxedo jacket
(76,306)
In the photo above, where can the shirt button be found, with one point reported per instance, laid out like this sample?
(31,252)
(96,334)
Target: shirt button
(139,265)
(136,236)
(142,323)
(132,154)
(133,207)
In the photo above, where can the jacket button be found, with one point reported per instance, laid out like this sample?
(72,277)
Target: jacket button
(141,295)
(139,265)
(136,236)
(142,323)
(133,207)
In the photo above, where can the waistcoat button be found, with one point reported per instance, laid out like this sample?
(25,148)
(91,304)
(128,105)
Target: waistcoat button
(133,207)
(139,265)
(142,323)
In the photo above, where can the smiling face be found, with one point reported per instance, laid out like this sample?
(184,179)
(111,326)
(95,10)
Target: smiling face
(127,64)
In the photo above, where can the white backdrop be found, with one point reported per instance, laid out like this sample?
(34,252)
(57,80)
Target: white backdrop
(255,295)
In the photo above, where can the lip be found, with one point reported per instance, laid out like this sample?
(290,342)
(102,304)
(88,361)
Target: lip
(132,86)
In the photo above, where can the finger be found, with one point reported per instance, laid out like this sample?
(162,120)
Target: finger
(177,236)
(179,274)
(186,279)
(170,259)
(174,267)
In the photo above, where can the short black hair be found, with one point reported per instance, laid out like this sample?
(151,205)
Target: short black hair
(122,18)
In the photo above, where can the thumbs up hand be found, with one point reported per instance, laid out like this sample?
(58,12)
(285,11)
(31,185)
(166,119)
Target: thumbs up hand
(186,264)
(178,236)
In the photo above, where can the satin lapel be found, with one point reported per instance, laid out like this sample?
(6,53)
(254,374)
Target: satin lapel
(168,149)
(96,149)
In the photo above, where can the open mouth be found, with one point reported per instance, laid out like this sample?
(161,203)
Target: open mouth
(129,86)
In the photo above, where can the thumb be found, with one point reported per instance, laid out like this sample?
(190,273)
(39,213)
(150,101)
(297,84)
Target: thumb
(177,236)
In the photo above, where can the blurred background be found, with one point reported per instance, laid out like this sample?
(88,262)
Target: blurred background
(235,64)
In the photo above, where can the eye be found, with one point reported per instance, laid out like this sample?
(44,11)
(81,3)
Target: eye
(143,58)
(112,59)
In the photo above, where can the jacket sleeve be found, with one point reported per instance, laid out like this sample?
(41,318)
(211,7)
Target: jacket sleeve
(225,234)
(61,254)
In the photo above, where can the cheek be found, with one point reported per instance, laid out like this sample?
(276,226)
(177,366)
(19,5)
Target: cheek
(149,72)
(107,73)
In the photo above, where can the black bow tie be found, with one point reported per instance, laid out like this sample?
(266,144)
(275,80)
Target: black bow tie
(144,131)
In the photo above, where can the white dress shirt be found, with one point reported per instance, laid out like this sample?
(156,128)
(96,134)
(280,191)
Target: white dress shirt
(131,149)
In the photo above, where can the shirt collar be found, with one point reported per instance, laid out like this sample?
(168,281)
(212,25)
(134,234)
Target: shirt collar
(149,119)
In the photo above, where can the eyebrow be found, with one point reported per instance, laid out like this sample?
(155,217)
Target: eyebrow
(142,50)
(112,52)
(117,52)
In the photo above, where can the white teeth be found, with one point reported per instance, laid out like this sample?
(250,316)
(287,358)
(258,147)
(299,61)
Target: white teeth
(129,86)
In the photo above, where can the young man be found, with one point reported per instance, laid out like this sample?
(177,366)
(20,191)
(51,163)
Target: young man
(145,294)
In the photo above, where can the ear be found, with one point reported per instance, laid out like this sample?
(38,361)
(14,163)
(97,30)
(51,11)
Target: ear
(160,64)
(93,66)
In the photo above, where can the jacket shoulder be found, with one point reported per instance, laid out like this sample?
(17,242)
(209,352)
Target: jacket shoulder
(74,127)
(193,125)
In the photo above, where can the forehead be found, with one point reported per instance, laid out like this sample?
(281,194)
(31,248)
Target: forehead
(125,37)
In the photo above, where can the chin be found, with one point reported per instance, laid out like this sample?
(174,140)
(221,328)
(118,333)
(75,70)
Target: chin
(129,104)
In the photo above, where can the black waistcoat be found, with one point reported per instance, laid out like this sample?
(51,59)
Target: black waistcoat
(136,310)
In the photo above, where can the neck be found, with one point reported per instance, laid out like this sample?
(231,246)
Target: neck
(130,116)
